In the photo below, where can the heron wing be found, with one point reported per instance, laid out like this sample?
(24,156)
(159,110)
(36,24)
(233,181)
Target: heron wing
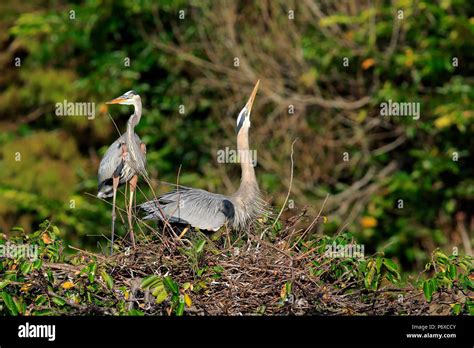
(112,162)
(198,208)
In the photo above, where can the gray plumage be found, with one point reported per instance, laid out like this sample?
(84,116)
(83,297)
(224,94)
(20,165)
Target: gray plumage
(205,210)
(113,163)
(210,211)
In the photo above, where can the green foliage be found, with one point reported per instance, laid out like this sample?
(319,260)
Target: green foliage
(43,246)
(42,163)
(52,283)
(166,289)
(370,272)
(33,286)
(377,270)
(451,272)
(40,177)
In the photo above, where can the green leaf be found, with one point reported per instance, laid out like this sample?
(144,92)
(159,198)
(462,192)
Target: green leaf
(441,258)
(4,283)
(391,266)
(451,272)
(457,309)
(180,308)
(470,307)
(42,312)
(200,246)
(56,230)
(390,278)
(20,306)
(171,285)
(442,280)
(11,276)
(59,301)
(429,287)
(91,271)
(277,226)
(25,267)
(375,283)
(34,235)
(433,284)
(136,312)
(37,264)
(40,300)
(466,282)
(379,263)
(161,295)
(108,279)
(392,269)
(369,277)
(8,300)
(150,282)
(463,266)
(50,275)
(157,289)
(427,290)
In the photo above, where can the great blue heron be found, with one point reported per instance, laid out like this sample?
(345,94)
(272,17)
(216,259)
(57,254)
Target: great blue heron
(124,160)
(210,211)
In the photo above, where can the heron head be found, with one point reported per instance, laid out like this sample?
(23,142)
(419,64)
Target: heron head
(128,98)
(243,120)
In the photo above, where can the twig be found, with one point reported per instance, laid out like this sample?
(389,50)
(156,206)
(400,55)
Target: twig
(88,253)
(289,187)
(312,223)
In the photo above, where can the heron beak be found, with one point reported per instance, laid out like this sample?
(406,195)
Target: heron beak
(118,100)
(252,97)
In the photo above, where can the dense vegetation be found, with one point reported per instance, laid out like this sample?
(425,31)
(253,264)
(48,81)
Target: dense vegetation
(225,274)
(402,187)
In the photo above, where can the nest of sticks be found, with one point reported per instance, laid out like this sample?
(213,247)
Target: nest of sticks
(255,276)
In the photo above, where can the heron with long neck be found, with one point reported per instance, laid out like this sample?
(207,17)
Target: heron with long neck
(247,198)
(124,161)
(210,211)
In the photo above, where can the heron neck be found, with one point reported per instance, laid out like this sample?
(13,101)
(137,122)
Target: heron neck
(132,122)
(249,179)
(135,118)
(247,197)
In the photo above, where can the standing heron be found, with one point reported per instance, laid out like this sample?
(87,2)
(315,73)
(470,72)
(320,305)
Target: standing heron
(124,160)
(210,211)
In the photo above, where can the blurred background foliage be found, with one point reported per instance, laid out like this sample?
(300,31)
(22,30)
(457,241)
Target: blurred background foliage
(184,53)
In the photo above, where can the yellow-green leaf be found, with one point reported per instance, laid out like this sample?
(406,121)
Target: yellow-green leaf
(161,296)
(108,279)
